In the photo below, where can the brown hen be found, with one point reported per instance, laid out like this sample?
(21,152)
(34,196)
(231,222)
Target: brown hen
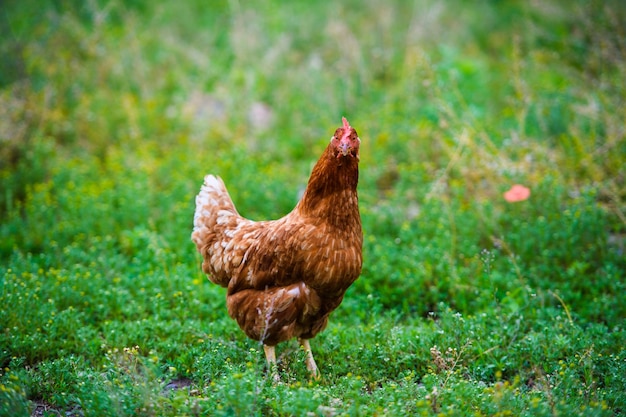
(284,277)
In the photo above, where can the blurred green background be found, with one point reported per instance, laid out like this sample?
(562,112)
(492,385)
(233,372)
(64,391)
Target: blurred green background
(111,113)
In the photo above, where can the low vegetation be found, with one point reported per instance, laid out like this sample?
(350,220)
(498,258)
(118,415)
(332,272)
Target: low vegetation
(111,113)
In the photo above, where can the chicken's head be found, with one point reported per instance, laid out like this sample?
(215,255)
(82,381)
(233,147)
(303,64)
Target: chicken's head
(345,141)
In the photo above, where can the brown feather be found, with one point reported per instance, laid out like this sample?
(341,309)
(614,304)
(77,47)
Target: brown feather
(284,277)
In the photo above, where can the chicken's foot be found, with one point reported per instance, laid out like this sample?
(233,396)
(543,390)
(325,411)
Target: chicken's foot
(270,355)
(310,362)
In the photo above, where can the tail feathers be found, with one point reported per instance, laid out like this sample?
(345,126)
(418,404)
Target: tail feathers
(215,227)
(215,213)
(213,200)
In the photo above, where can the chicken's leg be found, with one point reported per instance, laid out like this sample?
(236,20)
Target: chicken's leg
(310,362)
(270,355)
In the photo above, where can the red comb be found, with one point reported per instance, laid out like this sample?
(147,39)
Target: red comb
(346,129)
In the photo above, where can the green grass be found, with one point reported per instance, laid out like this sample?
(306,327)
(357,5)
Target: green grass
(112,112)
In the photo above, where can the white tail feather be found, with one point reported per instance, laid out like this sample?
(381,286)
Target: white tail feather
(209,195)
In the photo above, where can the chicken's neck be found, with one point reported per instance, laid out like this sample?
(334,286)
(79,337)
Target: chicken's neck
(331,193)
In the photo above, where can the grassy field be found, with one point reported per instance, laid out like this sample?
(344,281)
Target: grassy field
(112,112)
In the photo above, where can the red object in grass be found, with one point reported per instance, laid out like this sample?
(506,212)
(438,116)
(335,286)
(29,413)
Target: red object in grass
(517,193)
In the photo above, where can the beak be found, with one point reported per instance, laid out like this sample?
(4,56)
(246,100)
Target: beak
(345,148)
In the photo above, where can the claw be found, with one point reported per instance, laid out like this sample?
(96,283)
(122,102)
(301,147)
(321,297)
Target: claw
(310,361)
(270,355)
